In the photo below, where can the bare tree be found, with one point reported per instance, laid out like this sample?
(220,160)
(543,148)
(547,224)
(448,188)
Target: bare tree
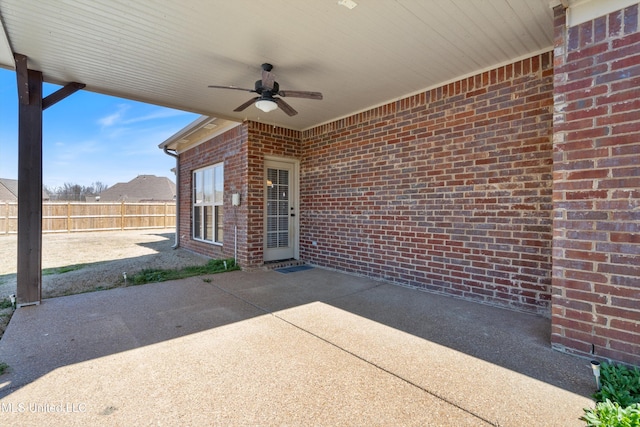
(70,192)
(99,187)
(51,191)
(75,192)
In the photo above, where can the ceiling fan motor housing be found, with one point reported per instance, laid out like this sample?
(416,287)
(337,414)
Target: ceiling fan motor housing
(261,91)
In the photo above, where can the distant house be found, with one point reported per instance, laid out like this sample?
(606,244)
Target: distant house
(143,188)
(9,191)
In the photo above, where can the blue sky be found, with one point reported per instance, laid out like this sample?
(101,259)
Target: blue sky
(89,137)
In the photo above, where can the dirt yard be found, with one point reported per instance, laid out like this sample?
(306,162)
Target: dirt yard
(104,256)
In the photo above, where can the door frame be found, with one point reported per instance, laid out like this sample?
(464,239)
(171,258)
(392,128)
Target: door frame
(294,200)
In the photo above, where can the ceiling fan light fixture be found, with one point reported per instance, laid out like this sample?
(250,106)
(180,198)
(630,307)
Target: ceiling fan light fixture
(266,105)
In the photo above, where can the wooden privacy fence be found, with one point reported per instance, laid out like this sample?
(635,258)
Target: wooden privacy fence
(66,217)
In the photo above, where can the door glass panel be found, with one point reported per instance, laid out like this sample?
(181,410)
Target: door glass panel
(283,239)
(283,208)
(283,177)
(277,208)
(272,208)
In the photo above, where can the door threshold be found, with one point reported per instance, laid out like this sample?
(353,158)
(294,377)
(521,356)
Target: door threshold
(281,263)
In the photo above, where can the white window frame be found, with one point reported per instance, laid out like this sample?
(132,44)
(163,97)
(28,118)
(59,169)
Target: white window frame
(207,206)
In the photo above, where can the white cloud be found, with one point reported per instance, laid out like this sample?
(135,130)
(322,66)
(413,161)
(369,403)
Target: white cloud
(160,114)
(114,118)
(118,118)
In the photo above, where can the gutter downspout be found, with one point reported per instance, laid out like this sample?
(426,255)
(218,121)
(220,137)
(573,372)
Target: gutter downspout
(176,244)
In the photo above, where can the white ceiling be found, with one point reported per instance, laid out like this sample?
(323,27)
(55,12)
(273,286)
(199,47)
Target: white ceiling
(166,52)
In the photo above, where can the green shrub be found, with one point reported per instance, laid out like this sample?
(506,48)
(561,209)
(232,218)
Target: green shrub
(611,414)
(61,270)
(162,275)
(619,384)
(618,400)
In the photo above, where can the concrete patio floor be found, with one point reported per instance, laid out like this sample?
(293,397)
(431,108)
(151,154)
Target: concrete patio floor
(314,347)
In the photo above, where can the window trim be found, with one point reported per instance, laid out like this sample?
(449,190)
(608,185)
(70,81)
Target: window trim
(216,203)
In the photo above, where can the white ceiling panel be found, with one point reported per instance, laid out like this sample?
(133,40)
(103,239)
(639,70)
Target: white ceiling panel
(6,56)
(167,52)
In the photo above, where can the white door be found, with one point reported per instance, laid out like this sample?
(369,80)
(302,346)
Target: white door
(280,231)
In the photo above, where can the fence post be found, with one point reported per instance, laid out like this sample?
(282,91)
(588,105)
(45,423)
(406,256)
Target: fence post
(6,218)
(122,216)
(68,217)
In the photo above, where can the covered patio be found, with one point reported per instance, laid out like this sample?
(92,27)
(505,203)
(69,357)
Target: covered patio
(481,149)
(314,347)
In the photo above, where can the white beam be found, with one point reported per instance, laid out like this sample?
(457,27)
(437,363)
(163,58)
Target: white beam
(585,10)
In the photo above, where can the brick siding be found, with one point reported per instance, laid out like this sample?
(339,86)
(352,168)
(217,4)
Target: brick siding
(596,259)
(231,149)
(449,190)
(243,150)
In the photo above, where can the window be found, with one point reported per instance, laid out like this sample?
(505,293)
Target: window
(208,189)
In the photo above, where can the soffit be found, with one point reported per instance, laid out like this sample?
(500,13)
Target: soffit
(166,52)
(203,129)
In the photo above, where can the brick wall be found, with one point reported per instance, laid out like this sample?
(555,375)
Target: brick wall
(596,264)
(230,148)
(463,190)
(243,150)
(449,190)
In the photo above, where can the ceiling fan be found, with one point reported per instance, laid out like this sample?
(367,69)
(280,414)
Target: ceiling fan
(268,88)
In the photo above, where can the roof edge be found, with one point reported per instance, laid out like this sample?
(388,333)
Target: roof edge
(195,133)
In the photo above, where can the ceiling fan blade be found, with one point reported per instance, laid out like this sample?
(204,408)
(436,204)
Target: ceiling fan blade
(267,79)
(231,87)
(285,107)
(300,94)
(246,104)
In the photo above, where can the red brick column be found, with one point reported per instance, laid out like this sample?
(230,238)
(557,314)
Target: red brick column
(596,244)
